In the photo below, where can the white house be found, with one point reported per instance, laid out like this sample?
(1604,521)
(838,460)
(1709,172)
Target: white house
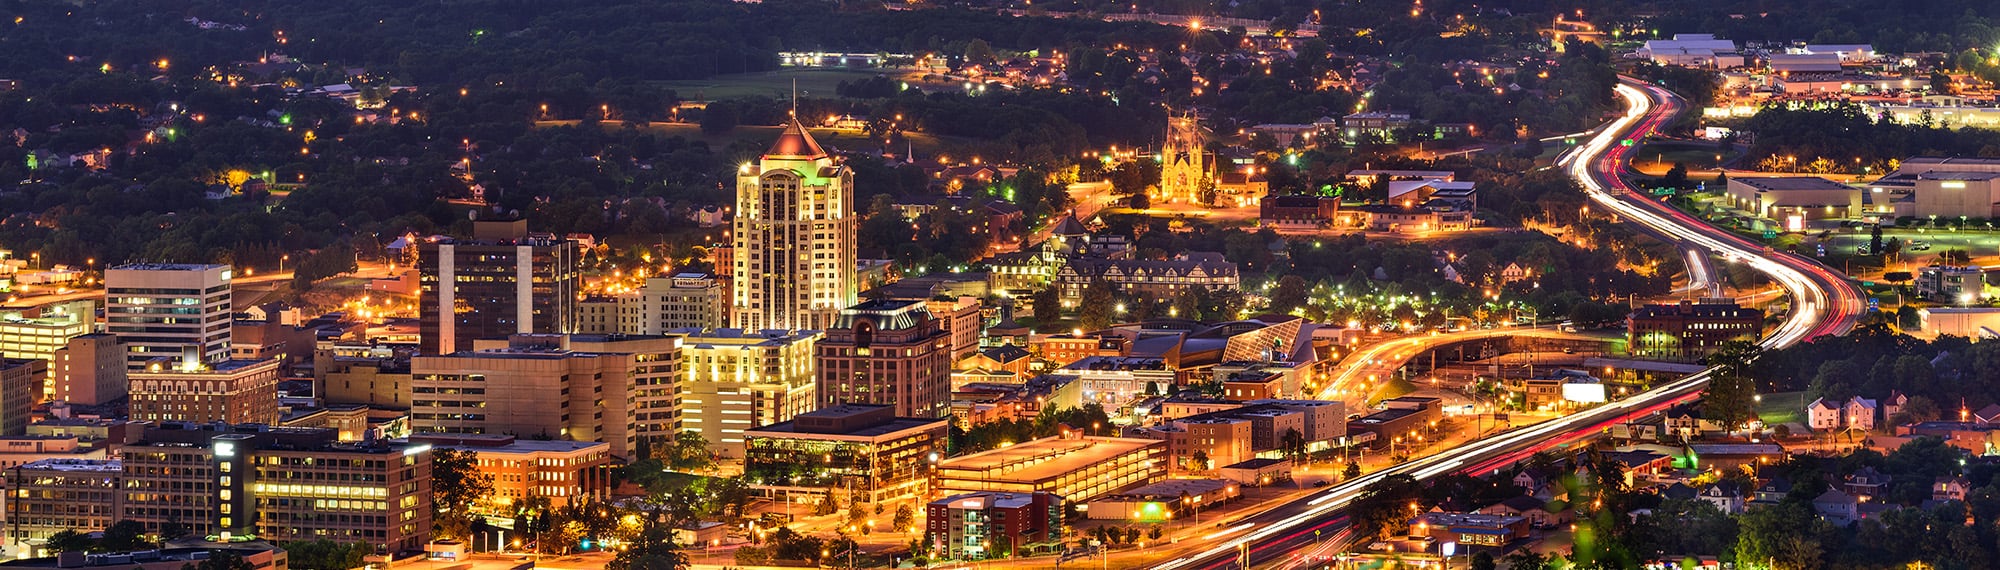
(1861,413)
(1822,416)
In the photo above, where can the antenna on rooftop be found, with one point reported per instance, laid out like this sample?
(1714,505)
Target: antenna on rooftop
(795,98)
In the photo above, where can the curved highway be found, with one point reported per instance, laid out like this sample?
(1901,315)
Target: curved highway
(1823,302)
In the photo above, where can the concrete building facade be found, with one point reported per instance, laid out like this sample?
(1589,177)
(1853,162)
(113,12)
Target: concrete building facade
(887,352)
(156,309)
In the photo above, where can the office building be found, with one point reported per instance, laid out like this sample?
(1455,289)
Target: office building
(736,380)
(156,309)
(279,484)
(1470,530)
(500,282)
(372,382)
(1951,285)
(37,332)
(862,451)
(20,387)
(1690,330)
(685,300)
(977,526)
(54,495)
(962,322)
(230,391)
(794,266)
(1074,466)
(563,472)
(89,370)
(1398,425)
(547,387)
(887,352)
(651,391)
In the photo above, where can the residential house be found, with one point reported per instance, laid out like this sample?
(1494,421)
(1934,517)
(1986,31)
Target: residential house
(1771,491)
(1837,507)
(1861,413)
(1537,511)
(1950,488)
(1988,416)
(1727,496)
(1894,404)
(1822,415)
(1866,482)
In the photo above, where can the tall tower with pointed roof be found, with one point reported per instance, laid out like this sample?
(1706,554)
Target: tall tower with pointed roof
(794,237)
(1184,175)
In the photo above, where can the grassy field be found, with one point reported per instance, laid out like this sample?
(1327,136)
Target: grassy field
(1394,388)
(812,82)
(1782,407)
(1656,158)
(846,139)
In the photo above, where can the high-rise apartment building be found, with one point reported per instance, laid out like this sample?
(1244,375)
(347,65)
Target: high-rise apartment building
(548,387)
(737,380)
(158,308)
(502,281)
(89,370)
(231,391)
(887,352)
(794,237)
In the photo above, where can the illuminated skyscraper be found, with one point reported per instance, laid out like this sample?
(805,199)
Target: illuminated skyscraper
(794,237)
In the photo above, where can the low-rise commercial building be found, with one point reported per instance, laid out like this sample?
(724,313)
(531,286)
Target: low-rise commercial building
(562,472)
(1951,284)
(55,495)
(1403,420)
(1690,330)
(1165,500)
(859,449)
(1470,529)
(1075,466)
(1793,200)
(977,526)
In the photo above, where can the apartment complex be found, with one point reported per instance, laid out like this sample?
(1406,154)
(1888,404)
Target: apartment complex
(887,352)
(794,266)
(737,380)
(865,450)
(229,391)
(502,281)
(156,309)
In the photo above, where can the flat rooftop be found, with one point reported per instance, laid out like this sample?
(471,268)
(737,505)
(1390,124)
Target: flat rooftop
(790,429)
(77,465)
(1792,183)
(1476,520)
(167,267)
(1046,458)
(1172,489)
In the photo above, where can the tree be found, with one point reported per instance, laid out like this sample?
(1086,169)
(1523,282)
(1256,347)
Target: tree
(719,117)
(221,560)
(325,554)
(1095,312)
(1875,245)
(905,520)
(1353,470)
(125,536)
(1048,305)
(1290,293)
(456,484)
(652,548)
(1294,444)
(1730,396)
(70,541)
(1198,461)
(978,52)
(826,505)
(690,452)
(1787,535)
(1483,561)
(1677,177)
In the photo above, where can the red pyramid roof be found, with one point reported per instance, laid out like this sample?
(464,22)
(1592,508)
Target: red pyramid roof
(795,142)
